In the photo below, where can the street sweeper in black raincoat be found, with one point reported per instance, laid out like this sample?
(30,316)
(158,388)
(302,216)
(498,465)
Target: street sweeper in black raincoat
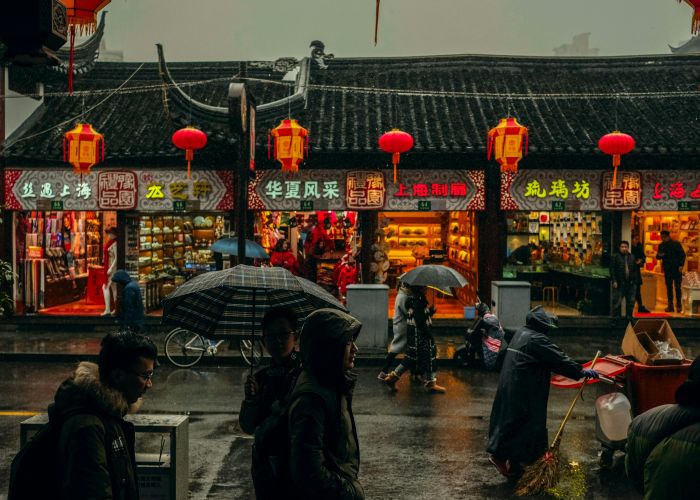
(518,425)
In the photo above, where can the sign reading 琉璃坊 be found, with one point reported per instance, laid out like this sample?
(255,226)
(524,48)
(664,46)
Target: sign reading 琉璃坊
(539,189)
(146,190)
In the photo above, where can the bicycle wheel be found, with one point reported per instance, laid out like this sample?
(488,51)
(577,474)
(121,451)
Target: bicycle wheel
(251,358)
(184,348)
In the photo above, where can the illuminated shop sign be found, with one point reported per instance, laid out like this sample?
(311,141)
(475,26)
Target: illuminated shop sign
(540,189)
(368,190)
(147,190)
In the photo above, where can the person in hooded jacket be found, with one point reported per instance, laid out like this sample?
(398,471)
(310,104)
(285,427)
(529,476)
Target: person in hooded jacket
(324,449)
(131,311)
(663,445)
(518,423)
(96,446)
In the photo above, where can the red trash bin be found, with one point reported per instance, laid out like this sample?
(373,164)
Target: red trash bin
(650,386)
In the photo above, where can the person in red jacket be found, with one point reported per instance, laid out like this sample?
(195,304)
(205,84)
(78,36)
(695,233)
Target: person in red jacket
(283,257)
(346,276)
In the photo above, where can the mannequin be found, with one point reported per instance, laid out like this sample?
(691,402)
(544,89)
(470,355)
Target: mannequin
(109,259)
(68,246)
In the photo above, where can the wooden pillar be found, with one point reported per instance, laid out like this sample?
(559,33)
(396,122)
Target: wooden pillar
(5,215)
(369,223)
(492,236)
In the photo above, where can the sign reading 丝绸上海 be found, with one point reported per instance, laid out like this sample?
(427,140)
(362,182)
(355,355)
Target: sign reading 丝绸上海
(368,190)
(539,189)
(146,190)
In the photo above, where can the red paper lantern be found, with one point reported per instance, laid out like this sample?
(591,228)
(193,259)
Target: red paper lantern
(291,144)
(395,142)
(83,15)
(190,139)
(83,148)
(695,5)
(616,144)
(507,141)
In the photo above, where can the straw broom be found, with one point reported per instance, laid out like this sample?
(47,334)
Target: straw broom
(544,473)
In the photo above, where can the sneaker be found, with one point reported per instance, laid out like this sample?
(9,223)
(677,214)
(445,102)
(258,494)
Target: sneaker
(381,376)
(502,466)
(391,379)
(433,387)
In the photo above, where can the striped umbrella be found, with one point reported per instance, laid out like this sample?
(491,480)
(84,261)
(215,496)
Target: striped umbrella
(233,301)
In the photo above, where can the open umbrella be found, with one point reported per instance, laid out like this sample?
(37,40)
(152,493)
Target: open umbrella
(441,277)
(233,301)
(230,246)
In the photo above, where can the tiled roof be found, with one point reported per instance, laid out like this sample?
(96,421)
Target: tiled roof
(348,123)
(136,124)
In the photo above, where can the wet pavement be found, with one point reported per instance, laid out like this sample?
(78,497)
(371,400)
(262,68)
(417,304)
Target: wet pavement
(414,445)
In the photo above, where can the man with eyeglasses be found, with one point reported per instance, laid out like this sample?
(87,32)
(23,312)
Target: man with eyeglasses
(96,446)
(271,384)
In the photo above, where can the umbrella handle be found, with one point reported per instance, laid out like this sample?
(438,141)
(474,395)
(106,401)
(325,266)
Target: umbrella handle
(557,436)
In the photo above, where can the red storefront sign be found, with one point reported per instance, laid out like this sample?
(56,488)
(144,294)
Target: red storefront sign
(625,195)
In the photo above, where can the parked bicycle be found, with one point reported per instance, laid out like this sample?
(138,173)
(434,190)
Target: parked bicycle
(184,348)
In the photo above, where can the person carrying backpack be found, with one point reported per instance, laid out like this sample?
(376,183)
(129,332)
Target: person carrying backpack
(486,339)
(266,390)
(86,451)
(324,452)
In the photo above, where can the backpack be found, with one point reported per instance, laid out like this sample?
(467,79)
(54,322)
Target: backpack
(34,470)
(271,454)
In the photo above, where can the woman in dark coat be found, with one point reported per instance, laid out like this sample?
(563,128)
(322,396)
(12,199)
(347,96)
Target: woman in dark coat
(518,424)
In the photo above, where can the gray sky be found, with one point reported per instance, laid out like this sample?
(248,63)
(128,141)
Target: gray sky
(267,29)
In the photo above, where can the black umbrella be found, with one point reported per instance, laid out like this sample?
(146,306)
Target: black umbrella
(233,301)
(230,246)
(437,276)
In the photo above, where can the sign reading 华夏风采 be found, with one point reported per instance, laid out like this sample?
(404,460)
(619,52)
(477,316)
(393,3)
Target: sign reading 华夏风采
(123,189)
(368,190)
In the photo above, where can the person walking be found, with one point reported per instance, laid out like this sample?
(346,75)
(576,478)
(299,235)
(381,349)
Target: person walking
(637,250)
(130,310)
(518,422)
(96,446)
(324,448)
(663,445)
(625,275)
(420,347)
(399,329)
(270,386)
(673,256)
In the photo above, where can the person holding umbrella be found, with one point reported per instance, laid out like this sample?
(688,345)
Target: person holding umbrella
(269,386)
(518,423)
(421,351)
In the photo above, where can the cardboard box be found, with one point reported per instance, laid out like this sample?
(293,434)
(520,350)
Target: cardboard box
(639,341)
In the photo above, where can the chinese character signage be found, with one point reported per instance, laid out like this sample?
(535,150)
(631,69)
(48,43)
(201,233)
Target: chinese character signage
(626,194)
(368,190)
(365,190)
(545,189)
(666,190)
(146,190)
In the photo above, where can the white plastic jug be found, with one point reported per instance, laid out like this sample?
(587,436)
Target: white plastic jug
(614,415)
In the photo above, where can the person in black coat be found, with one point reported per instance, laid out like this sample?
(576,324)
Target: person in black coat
(625,275)
(637,250)
(518,423)
(131,310)
(673,256)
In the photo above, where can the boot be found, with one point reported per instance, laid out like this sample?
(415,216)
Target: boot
(391,379)
(432,387)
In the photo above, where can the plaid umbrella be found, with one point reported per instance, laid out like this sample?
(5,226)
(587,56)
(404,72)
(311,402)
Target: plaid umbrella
(233,301)
(442,277)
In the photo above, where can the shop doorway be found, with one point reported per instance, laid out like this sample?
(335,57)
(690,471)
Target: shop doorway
(436,237)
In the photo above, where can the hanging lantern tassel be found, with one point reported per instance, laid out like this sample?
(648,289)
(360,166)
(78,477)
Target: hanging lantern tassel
(189,156)
(376,25)
(695,24)
(395,160)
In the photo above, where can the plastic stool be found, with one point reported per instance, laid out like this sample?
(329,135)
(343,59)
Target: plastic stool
(550,296)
